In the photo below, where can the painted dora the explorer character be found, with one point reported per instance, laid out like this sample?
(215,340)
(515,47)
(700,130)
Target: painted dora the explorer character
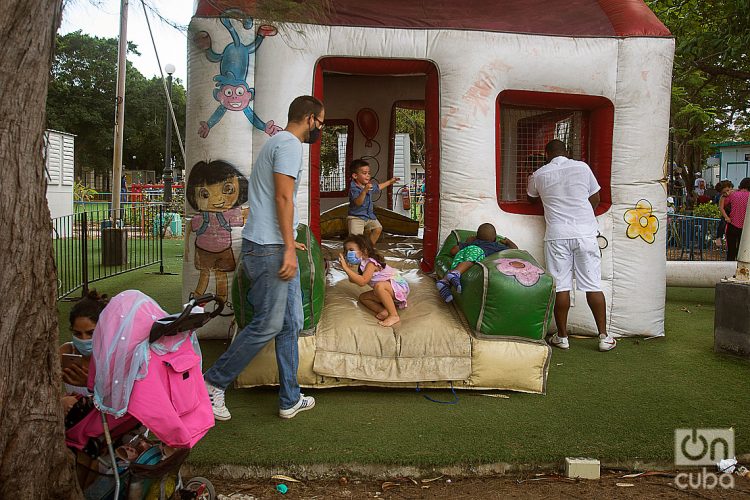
(216,190)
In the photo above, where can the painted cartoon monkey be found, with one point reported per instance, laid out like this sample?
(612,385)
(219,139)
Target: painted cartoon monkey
(216,190)
(232,90)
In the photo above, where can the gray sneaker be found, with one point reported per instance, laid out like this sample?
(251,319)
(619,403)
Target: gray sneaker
(304,403)
(216,396)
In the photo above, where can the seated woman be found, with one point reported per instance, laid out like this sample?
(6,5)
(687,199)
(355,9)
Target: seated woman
(75,355)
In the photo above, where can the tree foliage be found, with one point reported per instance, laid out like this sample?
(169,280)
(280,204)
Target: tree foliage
(81,101)
(411,121)
(711,78)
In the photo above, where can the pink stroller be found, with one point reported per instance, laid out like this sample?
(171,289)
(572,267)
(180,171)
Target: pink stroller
(147,379)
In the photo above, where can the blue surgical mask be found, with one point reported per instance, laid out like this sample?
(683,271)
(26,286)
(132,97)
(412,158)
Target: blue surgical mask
(85,347)
(351,257)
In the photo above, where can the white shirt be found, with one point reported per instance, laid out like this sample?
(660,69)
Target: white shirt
(565,185)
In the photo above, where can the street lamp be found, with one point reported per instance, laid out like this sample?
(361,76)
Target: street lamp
(169,68)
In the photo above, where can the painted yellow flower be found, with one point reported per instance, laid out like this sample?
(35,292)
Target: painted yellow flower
(642,222)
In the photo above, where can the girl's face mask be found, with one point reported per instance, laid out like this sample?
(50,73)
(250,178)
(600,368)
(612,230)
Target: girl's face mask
(352,258)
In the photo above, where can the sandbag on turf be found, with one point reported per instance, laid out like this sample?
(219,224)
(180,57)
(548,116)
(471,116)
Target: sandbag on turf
(508,293)
(312,275)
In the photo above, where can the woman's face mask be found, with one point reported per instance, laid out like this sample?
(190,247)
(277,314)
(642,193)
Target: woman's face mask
(83,331)
(352,258)
(85,347)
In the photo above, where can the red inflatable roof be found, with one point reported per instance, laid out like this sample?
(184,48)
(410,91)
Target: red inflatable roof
(543,17)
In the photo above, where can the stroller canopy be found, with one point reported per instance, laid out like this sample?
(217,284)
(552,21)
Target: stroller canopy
(122,350)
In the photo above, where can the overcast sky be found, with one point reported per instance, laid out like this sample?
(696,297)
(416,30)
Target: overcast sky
(102,18)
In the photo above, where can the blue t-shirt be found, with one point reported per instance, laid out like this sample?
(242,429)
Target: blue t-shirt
(488,247)
(282,154)
(366,210)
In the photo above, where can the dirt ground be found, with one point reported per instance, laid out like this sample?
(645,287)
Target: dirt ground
(611,485)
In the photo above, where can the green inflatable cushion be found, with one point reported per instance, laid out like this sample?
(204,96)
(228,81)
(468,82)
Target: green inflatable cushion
(506,294)
(312,280)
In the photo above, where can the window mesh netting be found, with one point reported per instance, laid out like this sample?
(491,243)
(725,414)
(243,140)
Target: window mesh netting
(523,134)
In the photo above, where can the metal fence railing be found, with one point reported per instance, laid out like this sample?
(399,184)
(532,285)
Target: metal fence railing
(694,238)
(144,194)
(87,247)
(334,181)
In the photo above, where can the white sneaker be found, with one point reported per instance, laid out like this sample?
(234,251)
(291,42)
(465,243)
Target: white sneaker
(607,343)
(304,403)
(560,342)
(217,402)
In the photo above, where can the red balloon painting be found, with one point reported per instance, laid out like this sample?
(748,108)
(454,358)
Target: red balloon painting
(367,120)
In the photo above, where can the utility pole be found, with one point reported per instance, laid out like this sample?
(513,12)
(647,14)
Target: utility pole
(122,50)
(114,239)
(169,68)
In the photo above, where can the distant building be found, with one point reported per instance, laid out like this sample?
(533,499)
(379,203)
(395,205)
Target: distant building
(59,165)
(734,161)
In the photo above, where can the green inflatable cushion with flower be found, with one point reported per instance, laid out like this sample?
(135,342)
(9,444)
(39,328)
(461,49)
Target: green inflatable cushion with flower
(507,294)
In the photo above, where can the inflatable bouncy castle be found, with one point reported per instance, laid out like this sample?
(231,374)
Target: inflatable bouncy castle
(496,81)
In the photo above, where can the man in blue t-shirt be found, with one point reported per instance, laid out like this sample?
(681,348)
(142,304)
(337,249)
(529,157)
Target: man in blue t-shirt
(362,217)
(466,253)
(269,260)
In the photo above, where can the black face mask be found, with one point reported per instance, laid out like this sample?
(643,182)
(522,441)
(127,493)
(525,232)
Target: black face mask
(314,136)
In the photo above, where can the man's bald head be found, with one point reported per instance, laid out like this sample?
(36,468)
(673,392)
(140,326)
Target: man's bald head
(555,148)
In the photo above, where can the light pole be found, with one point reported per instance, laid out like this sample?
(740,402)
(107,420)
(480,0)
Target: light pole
(169,68)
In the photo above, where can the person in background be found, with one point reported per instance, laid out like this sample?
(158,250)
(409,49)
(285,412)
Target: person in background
(699,192)
(724,188)
(737,202)
(123,195)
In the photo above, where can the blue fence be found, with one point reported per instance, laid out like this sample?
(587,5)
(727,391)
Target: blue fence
(695,238)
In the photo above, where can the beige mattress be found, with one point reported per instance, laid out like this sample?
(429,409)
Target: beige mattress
(431,345)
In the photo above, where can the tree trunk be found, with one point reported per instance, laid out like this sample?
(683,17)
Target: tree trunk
(34,462)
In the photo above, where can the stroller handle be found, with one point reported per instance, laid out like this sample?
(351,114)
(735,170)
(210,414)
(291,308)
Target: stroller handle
(187,320)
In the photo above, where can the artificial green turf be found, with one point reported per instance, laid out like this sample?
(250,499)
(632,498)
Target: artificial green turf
(620,405)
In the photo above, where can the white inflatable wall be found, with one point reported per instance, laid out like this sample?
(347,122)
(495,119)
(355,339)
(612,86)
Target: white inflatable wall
(474,67)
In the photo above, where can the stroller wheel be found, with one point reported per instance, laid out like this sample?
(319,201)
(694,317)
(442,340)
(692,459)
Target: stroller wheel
(201,488)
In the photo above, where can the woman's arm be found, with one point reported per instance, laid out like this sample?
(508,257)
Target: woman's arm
(722,209)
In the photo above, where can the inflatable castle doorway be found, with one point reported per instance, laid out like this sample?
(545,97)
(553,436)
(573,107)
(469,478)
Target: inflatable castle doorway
(361,96)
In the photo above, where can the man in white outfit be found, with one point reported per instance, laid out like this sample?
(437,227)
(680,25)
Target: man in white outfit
(570,193)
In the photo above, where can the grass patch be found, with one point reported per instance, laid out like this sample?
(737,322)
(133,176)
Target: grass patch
(621,405)
(165,289)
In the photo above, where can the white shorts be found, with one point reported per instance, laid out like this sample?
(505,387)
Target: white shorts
(581,255)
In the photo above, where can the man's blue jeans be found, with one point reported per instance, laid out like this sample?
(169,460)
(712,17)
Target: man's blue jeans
(277,314)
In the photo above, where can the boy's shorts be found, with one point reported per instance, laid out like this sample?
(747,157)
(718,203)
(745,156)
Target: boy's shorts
(359,226)
(472,253)
(580,254)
